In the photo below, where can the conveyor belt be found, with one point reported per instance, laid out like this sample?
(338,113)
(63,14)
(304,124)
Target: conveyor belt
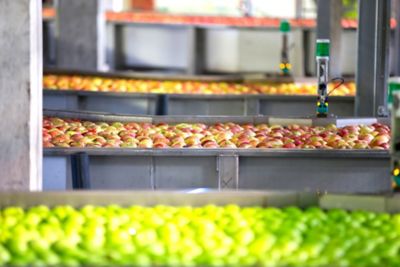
(344,171)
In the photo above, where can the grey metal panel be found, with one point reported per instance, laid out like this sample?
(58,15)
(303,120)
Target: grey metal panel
(386,203)
(97,116)
(372,203)
(246,198)
(228,172)
(229,105)
(304,107)
(118,105)
(252,106)
(150,198)
(161,76)
(205,152)
(206,107)
(120,172)
(372,60)
(325,170)
(60,101)
(314,173)
(55,173)
(185,172)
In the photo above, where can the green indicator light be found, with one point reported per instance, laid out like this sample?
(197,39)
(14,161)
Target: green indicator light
(323,46)
(394,86)
(285,26)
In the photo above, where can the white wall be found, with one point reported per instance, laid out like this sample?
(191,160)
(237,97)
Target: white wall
(266,8)
(250,51)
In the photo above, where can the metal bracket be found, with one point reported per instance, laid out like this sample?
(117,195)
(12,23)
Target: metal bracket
(80,171)
(228,172)
(251,106)
(152,174)
(162,104)
(383,111)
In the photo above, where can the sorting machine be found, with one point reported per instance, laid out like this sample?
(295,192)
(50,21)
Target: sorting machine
(344,171)
(190,104)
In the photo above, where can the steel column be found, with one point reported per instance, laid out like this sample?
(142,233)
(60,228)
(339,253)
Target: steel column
(373,61)
(21,95)
(81,34)
(396,44)
(251,106)
(115,54)
(329,16)
(80,171)
(196,51)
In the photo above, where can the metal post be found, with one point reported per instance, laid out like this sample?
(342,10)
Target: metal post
(196,51)
(396,44)
(372,61)
(80,171)
(115,53)
(329,17)
(251,106)
(21,95)
(81,34)
(49,43)
(228,172)
(162,105)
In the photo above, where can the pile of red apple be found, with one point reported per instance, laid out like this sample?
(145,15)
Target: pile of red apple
(75,133)
(102,84)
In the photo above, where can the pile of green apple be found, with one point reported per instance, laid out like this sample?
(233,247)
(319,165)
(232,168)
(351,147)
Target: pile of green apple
(201,236)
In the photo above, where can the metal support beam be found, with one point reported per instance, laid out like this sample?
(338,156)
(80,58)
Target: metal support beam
(81,34)
(21,95)
(49,43)
(80,171)
(251,106)
(196,51)
(372,60)
(396,44)
(162,105)
(115,53)
(329,17)
(228,172)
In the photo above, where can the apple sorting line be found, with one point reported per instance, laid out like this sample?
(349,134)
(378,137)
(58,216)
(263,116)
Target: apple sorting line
(143,94)
(59,132)
(253,158)
(104,84)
